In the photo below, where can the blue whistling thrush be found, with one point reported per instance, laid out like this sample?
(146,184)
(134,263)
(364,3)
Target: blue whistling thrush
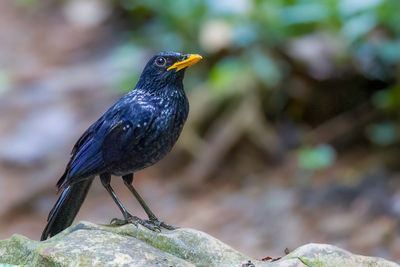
(134,133)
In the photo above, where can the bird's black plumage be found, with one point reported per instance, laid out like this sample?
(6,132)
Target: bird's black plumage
(137,131)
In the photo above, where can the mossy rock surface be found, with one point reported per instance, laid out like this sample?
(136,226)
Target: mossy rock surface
(87,244)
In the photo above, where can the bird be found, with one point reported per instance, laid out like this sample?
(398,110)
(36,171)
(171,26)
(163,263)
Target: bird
(134,133)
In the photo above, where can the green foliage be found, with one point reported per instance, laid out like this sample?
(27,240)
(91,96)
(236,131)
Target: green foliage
(383,134)
(265,25)
(249,43)
(388,99)
(225,73)
(317,157)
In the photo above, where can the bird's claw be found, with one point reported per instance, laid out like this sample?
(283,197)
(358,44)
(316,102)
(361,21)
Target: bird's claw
(161,224)
(151,224)
(118,222)
(128,219)
(136,221)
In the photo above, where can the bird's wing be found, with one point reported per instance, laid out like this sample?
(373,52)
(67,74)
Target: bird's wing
(124,136)
(84,156)
(105,141)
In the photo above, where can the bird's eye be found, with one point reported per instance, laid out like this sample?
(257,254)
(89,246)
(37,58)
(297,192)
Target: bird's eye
(160,61)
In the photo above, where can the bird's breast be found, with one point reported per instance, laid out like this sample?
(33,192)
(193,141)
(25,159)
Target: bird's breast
(165,131)
(161,133)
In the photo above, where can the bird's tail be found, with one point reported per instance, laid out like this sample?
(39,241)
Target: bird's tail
(67,206)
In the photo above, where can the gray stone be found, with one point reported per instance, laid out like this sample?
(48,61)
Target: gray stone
(87,244)
(321,255)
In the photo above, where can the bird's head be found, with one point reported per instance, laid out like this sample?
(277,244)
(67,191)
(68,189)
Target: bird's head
(166,68)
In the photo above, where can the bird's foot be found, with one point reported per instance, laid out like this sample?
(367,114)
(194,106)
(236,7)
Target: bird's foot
(136,221)
(150,225)
(119,222)
(161,224)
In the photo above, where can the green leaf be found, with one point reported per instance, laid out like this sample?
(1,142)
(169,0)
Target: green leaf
(358,26)
(304,13)
(388,99)
(265,68)
(350,7)
(383,134)
(225,75)
(317,157)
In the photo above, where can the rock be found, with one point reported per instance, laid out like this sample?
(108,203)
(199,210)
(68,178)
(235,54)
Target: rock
(331,256)
(87,244)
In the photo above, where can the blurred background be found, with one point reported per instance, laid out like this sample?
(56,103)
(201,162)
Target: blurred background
(293,135)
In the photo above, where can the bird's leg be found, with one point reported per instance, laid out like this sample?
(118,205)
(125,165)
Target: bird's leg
(105,180)
(128,179)
(128,218)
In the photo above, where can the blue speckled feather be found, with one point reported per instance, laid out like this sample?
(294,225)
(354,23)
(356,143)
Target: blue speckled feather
(133,134)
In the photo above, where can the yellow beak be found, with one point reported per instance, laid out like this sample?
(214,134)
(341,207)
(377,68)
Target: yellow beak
(191,60)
